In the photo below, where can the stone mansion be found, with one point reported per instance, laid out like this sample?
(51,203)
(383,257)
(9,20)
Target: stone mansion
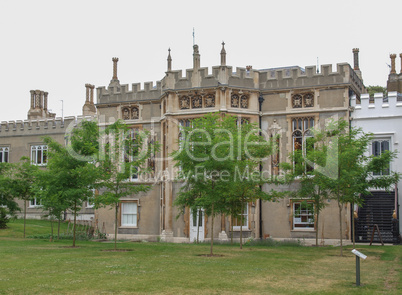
(284,101)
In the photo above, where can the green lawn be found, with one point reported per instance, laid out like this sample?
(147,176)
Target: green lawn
(34,266)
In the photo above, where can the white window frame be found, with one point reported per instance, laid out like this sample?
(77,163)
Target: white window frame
(88,204)
(298,220)
(124,210)
(34,203)
(382,139)
(35,149)
(4,150)
(245,218)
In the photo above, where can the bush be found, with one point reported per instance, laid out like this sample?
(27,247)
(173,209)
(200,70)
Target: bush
(4,218)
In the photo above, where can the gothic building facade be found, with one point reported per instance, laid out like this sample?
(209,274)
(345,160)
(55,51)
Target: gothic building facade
(284,101)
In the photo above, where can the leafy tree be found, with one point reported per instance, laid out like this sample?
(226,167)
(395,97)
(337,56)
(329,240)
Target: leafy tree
(243,185)
(72,174)
(376,89)
(52,201)
(310,187)
(342,168)
(216,170)
(126,152)
(8,206)
(22,183)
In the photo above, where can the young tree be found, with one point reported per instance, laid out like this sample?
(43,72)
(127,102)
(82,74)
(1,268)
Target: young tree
(244,185)
(52,201)
(8,206)
(342,168)
(126,152)
(22,183)
(72,173)
(214,159)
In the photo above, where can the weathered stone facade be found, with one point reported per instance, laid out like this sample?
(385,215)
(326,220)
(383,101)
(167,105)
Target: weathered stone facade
(285,101)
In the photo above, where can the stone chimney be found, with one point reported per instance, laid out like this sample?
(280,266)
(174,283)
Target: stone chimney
(89,108)
(115,81)
(38,109)
(356,67)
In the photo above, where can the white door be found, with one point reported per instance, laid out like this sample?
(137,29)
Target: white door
(197,225)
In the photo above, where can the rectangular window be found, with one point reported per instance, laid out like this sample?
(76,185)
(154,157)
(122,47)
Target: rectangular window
(39,155)
(4,154)
(237,222)
(378,147)
(33,203)
(129,212)
(303,215)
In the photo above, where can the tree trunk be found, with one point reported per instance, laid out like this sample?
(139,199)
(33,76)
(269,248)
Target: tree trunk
(75,221)
(198,224)
(231,234)
(340,225)
(316,232)
(353,225)
(241,226)
(212,230)
(51,227)
(115,225)
(25,215)
(58,229)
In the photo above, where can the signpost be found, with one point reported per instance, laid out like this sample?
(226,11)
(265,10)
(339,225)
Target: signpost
(358,256)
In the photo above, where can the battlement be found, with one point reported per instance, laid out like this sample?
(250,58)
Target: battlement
(40,126)
(297,77)
(380,106)
(121,93)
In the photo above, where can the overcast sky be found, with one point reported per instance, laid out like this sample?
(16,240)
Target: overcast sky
(58,46)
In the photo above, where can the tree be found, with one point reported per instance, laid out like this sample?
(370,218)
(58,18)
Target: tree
(342,168)
(72,173)
(22,183)
(8,206)
(309,179)
(217,166)
(244,185)
(126,152)
(52,201)
(376,89)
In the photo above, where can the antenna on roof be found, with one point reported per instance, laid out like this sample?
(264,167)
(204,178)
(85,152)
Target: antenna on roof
(193,37)
(318,67)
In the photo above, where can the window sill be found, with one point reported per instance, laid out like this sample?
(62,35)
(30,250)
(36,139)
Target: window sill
(303,230)
(244,229)
(126,226)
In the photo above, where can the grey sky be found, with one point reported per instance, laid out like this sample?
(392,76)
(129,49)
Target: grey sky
(58,46)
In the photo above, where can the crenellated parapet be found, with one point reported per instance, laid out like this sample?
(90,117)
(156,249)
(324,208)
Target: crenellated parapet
(122,93)
(296,77)
(378,106)
(40,126)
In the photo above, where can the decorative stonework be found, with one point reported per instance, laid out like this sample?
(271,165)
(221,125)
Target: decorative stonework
(308,100)
(196,102)
(297,101)
(135,113)
(210,101)
(244,102)
(125,113)
(130,113)
(235,101)
(303,100)
(184,102)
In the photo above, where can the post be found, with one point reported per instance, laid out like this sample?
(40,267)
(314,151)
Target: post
(357,270)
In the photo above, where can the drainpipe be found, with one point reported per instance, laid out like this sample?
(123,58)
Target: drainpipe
(260,101)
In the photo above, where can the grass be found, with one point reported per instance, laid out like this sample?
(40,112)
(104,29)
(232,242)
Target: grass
(35,266)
